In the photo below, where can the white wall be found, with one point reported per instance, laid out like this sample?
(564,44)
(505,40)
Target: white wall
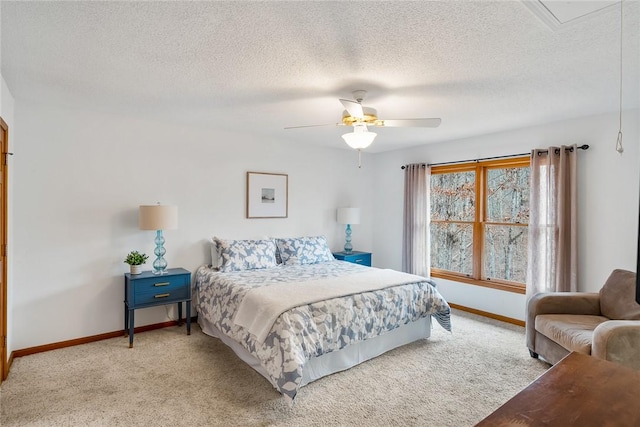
(80,177)
(608,199)
(7,114)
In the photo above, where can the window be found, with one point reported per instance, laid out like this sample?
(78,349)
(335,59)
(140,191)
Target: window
(479,222)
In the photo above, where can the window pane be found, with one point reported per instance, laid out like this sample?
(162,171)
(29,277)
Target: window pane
(452,247)
(505,255)
(508,195)
(453,196)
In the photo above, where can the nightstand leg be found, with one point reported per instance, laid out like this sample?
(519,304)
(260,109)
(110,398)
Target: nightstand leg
(131,323)
(188,303)
(179,314)
(126,320)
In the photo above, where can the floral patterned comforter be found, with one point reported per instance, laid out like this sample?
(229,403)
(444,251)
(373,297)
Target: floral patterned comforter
(312,330)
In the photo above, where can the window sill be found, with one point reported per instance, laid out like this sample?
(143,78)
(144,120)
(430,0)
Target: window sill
(507,287)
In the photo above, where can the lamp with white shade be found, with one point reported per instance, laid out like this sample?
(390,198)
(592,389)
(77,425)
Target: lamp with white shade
(158,217)
(348,216)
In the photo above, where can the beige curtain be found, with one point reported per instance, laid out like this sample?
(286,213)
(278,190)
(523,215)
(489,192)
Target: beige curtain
(416,257)
(553,250)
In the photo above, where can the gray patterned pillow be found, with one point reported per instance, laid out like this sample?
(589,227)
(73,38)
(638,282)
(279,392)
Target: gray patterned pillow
(304,250)
(238,255)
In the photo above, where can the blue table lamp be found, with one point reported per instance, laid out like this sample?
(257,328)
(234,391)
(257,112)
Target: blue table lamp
(158,217)
(348,216)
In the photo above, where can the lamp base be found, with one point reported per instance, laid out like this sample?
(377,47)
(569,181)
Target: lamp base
(348,248)
(160,264)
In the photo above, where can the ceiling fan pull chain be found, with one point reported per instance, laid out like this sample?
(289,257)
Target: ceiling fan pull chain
(359,159)
(619,147)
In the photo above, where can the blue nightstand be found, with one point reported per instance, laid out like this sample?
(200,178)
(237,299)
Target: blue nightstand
(356,257)
(150,290)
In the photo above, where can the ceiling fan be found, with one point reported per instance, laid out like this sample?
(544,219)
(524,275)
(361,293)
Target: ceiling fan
(360,117)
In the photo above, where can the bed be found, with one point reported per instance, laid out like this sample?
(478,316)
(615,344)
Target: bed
(295,314)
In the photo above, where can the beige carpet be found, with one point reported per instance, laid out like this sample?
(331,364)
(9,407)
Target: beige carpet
(170,378)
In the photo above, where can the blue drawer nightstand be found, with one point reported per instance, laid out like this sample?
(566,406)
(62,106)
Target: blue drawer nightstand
(150,290)
(356,257)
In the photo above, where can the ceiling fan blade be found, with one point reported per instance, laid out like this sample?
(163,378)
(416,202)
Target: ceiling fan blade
(423,123)
(354,108)
(314,126)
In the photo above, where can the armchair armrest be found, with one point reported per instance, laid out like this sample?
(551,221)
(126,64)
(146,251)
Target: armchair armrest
(564,303)
(618,341)
(559,303)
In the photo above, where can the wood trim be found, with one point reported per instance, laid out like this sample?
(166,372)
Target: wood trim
(516,288)
(489,315)
(93,338)
(512,162)
(4,365)
(478,229)
(9,363)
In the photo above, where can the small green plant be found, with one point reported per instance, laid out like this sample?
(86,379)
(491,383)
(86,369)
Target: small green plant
(136,258)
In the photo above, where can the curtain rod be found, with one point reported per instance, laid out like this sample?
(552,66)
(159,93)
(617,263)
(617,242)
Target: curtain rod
(557,151)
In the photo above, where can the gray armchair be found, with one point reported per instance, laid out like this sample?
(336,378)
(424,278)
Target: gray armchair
(605,325)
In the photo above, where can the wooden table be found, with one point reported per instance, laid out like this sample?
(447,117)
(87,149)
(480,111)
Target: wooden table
(579,390)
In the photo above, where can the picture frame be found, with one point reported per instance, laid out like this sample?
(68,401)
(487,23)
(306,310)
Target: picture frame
(267,195)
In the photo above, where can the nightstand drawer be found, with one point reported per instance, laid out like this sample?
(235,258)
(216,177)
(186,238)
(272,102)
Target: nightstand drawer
(362,258)
(161,296)
(159,284)
(160,288)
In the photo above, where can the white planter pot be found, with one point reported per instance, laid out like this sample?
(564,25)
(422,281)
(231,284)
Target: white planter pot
(136,269)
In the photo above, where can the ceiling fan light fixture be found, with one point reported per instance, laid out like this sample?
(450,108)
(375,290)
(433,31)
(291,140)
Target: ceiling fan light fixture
(360,137)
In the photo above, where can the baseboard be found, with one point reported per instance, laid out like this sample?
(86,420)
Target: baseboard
(5,374)
(92,338)
(114,334)
(487,314)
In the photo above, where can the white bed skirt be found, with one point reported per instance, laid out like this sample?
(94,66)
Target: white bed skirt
(335,361)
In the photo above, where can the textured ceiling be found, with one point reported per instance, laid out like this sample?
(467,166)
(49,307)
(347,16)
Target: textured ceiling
(259,67)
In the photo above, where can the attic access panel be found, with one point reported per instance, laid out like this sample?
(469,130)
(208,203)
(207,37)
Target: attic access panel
(559,13)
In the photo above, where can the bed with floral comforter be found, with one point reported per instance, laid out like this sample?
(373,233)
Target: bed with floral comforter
(310,330)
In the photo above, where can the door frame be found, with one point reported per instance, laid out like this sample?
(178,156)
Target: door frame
(4,149)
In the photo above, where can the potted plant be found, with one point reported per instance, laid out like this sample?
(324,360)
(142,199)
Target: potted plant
(135,260)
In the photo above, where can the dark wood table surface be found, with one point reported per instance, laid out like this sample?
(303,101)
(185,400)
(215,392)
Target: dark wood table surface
(579,390)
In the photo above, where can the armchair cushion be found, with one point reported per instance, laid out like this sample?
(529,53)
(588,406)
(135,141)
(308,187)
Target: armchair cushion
(618,296)
(574,332)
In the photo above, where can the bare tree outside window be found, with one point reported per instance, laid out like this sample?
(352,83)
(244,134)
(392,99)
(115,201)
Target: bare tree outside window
(453,200)
(507,217)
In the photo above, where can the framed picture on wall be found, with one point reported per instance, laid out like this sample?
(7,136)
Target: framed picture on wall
(267,195)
